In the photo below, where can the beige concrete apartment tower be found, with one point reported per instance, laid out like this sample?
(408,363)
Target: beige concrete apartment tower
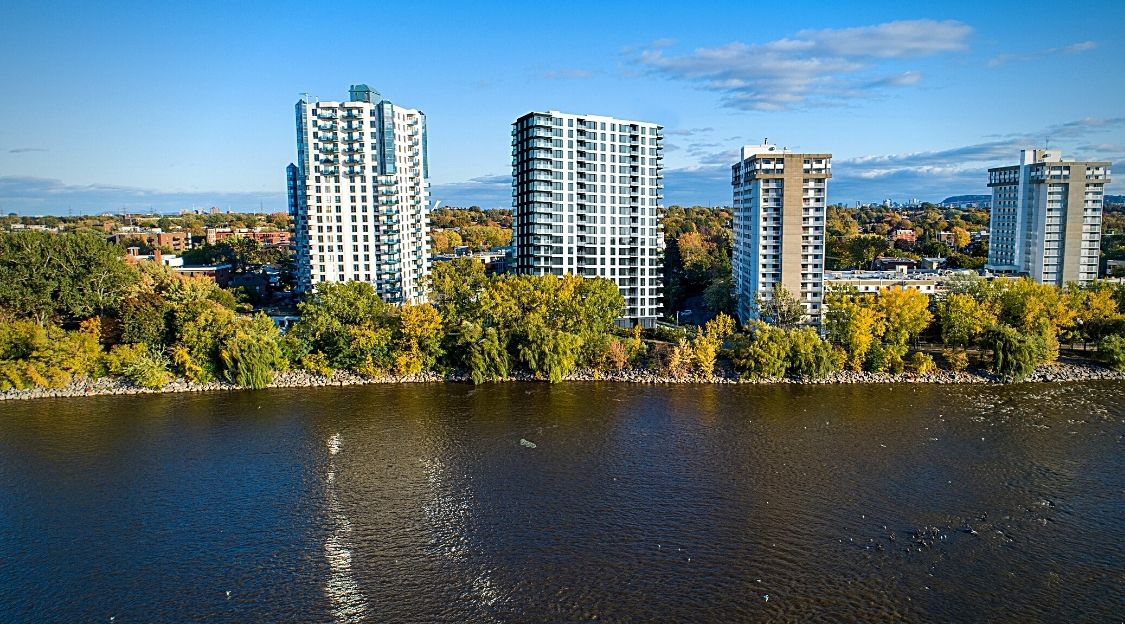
(780,199)
(1046,217)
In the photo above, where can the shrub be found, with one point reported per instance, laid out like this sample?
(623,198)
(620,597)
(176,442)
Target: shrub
(875,360)
(680,360)
(637,348)
(895,357)
(659,355)
(956,359)
(408,363)
(668,334)
(1015,355)
(33,355)
(488,357)
(252,356)
(617,354)
(762,354)
(139,364)
(922,363)
(1112,351)
(185,365)
(317,363)
(809,356)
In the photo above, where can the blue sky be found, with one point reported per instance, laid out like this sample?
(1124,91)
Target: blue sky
(169,105)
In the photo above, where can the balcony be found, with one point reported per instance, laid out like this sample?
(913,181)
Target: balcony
(326,115)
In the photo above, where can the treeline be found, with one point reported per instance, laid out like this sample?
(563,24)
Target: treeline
(855,237)
(485,325)
(451,218)
(475,237)
(70,307)
(697,257)
(1023,323)
(470,227)
(196,224)
(1009,326)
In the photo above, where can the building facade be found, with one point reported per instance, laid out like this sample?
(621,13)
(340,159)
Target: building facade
(361,190)
(586,193)
(1046,218)
(176,241)
(780,201)
(267,238)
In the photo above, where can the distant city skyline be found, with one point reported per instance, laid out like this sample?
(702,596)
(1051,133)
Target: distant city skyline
(159,107)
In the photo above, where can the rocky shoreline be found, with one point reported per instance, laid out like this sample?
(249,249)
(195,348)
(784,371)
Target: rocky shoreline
(1057,372)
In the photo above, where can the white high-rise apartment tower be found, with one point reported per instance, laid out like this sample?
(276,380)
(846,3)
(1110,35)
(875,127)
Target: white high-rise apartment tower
(587,191)
(1046,218)
(780,200)
(361,195)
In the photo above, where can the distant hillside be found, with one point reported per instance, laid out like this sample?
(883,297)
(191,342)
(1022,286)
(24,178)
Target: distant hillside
(960,199)
(1115,199)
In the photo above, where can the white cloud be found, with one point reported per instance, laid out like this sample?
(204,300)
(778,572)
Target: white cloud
(489,191)
(567,74)
(1074,48)
(931,175)
(814,67)
(31,195)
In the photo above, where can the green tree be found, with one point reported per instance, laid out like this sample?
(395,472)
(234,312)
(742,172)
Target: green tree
(763,352)
(781,308)
(905,314)
(854,323)
(719,295)
(419,339)
(455,287)
(486,353)
(549,352)
(252,355)
(809,356)
(964,319)
(144,320)
(349,324)
(64,277)
(1015,355)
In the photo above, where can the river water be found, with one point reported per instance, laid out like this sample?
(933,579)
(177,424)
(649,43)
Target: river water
(567,503)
